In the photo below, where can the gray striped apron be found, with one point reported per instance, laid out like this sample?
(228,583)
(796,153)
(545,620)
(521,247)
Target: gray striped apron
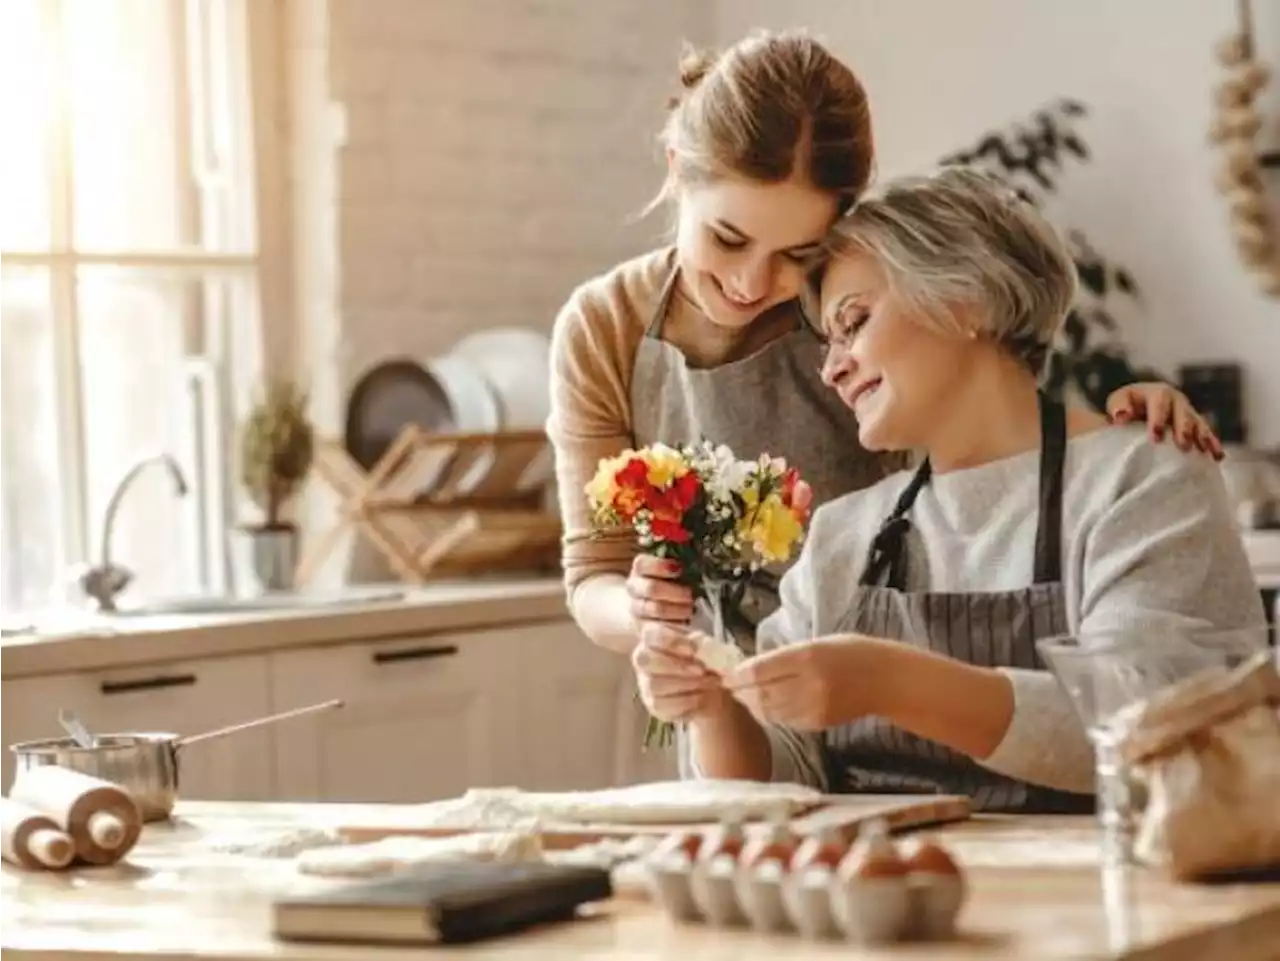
(771,402)
(997,629)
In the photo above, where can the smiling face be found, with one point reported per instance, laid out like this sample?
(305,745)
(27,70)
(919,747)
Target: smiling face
(897,371)
(744,246)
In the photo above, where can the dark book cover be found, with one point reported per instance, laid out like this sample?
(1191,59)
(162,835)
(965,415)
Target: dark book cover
(440,903)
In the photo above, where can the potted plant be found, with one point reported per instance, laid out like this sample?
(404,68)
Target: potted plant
(276,447)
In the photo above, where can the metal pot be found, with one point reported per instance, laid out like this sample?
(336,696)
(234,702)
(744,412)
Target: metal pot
(144,764)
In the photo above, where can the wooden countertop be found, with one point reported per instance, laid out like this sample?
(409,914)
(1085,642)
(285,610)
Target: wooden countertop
(1036,894)
(106,643)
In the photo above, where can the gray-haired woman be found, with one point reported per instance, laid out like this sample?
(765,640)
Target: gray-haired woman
(903,658)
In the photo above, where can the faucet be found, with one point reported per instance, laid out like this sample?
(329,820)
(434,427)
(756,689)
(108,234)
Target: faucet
(106,580)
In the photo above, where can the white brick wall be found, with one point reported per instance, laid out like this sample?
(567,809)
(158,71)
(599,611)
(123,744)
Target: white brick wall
(495,151)
(461,164)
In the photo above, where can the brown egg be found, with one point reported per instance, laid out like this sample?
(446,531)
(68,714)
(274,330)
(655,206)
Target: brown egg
(824,849)
(684,843)
(925,856)
(872,857)
(725,840)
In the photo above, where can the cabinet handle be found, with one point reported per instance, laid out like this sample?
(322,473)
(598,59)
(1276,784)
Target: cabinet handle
(415,653)
(147,683)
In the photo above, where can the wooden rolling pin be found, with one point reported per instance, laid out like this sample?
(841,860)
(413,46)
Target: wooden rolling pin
(102,820)
(31,839)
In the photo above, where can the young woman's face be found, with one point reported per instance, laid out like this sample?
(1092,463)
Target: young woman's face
(895,371)
(744,246)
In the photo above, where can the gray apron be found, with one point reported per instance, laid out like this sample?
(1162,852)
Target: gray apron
(997,629)
(771,402)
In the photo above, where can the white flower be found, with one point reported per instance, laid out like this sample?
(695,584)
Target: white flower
(728,474)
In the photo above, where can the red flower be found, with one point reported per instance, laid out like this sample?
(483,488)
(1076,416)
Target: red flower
(796,494)
(633,488)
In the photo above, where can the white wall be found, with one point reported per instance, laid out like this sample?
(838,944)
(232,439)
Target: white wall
(940,73)
(495,151)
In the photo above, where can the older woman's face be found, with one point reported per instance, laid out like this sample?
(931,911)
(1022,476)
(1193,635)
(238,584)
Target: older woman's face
(893,370)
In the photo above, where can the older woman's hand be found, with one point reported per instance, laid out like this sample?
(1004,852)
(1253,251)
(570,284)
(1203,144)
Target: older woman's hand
(811,685)
(674,684)
(1166,410)
(656,595)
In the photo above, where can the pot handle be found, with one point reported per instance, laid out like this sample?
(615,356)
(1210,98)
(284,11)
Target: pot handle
(258,722)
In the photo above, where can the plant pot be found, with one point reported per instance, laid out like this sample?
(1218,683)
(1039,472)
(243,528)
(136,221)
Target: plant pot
(271,556)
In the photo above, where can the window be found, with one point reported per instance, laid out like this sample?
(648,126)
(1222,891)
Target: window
(128,286)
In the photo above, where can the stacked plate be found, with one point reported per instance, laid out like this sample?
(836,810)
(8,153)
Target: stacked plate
(492,380)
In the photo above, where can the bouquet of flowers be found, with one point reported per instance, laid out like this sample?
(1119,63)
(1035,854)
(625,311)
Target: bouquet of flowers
(721,518)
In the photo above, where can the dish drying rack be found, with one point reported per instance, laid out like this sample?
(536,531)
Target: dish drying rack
(437,505)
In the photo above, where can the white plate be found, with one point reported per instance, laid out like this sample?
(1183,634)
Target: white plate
(476,408)
(516,361)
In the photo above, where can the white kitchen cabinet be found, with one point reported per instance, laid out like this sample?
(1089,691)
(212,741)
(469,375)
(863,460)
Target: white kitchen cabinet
(538,707)
(184,697)
(422,719)
(584,725)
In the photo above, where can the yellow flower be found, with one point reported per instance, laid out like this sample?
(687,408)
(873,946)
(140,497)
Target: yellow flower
(665,464)
(773,529)
(603,488)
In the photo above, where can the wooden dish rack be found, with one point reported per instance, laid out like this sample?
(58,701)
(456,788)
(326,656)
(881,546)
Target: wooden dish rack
(433,508)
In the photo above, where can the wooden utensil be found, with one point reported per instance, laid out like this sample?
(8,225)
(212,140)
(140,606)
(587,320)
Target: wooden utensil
(845,813)
(102,820)
(31,839)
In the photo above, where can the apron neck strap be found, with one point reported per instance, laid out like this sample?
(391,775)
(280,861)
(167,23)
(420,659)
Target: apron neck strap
(887,555)
(1053,458)
(664,299)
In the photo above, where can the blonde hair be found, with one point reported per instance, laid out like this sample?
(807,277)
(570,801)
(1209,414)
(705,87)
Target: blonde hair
(962,238)
(772,107)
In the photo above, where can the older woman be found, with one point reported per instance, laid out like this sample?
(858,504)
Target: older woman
(903,658)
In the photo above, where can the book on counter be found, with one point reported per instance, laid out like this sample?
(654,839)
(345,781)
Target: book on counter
(440,904)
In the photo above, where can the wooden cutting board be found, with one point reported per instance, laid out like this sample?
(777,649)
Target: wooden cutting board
(901,812)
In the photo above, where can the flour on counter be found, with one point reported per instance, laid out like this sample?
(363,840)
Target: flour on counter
(397,853)
(286,843)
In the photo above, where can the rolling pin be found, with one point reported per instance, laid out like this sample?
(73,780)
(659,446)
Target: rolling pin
(31,839)
(102,820)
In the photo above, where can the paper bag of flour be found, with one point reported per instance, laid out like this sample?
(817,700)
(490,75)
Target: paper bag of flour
(1208,751)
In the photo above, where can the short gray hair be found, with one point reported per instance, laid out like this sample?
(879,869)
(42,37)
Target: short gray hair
(962,238)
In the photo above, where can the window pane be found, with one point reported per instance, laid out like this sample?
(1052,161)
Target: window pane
(25,100)
(33,568)
(159,125)
(132,181)
(136,336)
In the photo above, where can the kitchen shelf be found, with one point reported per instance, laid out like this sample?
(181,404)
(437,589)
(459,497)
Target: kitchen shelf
(440,505)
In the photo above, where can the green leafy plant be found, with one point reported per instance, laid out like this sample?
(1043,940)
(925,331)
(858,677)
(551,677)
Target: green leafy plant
(277,444)
(1032,156)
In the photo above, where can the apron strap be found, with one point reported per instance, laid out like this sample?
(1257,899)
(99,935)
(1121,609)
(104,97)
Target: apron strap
(664,300)
(888,551)
(1053,457)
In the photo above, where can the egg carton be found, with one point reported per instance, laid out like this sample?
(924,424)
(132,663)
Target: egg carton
(817,903)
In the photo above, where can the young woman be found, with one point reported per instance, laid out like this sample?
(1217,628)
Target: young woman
(769,143)
(903,657)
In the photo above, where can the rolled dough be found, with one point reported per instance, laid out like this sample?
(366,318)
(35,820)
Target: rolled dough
(718,656)
(658,802)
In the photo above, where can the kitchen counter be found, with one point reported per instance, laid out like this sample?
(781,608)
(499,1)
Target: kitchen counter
(1035,894)
(124,641)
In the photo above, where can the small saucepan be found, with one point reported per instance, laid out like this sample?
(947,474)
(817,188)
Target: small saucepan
(144,764)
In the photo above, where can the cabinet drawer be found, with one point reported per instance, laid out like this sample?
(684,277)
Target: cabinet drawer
(183,697)
(423,718)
